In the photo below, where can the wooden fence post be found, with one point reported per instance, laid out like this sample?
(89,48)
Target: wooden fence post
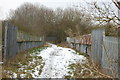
(119,53)
(96,52)
(1,50)
(119,45)
(5,40)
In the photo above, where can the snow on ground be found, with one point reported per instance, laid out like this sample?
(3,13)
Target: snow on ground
(57,59)
(50,62)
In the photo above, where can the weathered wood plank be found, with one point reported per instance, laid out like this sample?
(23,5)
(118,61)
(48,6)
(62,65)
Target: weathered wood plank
(0,49)
(15,42)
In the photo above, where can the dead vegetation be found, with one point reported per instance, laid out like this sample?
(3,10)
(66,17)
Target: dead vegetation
(24,64)
(85,70)
(63,44)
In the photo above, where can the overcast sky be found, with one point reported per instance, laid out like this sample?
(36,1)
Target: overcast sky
(6,5)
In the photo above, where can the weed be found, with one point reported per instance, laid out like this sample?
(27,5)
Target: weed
(24,63)
(82,71)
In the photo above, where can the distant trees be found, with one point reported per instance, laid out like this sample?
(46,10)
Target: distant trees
(40,20)
(31,18)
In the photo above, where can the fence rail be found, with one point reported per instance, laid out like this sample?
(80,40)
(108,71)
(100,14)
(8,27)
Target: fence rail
(22,36)
(82,44)
(15,41)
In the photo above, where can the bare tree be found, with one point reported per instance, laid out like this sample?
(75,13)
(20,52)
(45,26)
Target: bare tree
(40,20)
(31,18)
(117,3)
(102,12)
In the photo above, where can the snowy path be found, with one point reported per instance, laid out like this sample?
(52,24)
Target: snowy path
(56,61)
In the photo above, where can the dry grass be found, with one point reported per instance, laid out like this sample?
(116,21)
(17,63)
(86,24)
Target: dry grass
(63,44)
(22,61)
(86,70)
(12,64)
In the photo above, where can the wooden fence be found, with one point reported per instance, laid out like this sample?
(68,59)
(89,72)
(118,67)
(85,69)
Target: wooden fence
(15,41)
(0,50)
(104,51)
(10,38)
(82,44)
(110,55)
(96,47)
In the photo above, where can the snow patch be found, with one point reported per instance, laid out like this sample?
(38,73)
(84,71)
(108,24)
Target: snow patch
(57,59)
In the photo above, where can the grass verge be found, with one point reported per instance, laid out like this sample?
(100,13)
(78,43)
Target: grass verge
(84,70)
(25,65)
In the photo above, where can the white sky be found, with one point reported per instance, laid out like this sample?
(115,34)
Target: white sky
(6,5)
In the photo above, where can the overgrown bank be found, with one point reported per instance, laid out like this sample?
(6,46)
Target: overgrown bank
(26,65)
